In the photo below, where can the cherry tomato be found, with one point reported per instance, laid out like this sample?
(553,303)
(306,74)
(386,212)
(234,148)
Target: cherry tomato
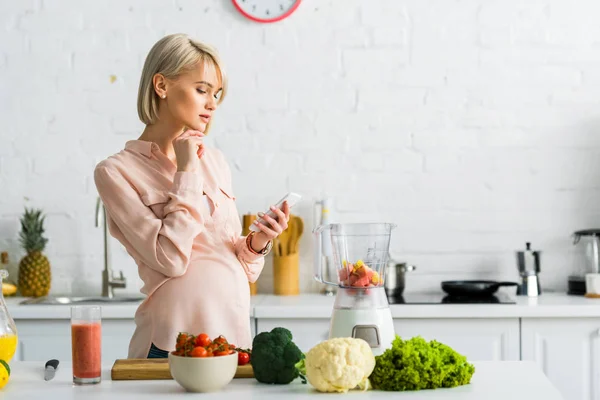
(199,352)
(203,340)
(221,353)
(221,340)
(243,358)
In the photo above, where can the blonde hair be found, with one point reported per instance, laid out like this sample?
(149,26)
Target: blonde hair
(171,56)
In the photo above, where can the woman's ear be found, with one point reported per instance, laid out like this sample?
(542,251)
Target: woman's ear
(160,85)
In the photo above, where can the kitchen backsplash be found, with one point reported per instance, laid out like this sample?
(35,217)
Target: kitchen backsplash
(473,125)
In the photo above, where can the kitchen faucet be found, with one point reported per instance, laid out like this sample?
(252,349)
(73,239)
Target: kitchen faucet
(108,281)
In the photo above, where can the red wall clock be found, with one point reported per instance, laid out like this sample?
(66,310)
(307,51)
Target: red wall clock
(266,11)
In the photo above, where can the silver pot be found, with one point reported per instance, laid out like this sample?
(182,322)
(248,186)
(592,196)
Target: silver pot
(394,282)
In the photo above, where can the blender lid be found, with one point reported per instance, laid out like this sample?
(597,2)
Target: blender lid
(587,232)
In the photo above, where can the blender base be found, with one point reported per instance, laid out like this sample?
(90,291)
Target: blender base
(375,326)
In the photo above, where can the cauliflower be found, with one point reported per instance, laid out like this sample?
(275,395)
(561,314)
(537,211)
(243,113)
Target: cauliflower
(340,364)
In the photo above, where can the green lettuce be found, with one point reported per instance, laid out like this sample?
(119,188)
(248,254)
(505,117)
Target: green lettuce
(416,364)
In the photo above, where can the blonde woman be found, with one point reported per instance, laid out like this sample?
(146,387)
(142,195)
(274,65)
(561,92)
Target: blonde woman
(169,201)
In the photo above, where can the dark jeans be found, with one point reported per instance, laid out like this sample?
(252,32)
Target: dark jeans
(155,352)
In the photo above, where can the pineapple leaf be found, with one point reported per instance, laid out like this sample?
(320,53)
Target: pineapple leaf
(31,236)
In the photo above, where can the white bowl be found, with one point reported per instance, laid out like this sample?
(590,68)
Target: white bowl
(203,374)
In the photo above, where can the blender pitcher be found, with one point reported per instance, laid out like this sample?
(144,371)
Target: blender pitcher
(360,255)
(586,259)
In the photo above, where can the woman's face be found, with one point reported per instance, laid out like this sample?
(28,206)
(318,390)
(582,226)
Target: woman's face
(192,97)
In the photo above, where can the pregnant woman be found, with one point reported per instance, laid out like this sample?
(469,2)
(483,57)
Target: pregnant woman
(169,201)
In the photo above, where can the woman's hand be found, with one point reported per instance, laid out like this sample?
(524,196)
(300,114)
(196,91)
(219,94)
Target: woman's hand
(276,226)
(188,150)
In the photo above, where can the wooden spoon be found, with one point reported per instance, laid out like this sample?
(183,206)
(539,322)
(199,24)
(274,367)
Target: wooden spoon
(299,224)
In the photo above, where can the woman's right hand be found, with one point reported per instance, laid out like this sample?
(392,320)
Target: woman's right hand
(188,149)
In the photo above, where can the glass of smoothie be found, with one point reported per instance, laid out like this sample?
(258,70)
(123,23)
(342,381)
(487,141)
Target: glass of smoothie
(86,344)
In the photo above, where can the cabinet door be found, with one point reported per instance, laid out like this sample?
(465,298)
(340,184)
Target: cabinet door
(306,332)
(478,339)
(568,351)
(42,340)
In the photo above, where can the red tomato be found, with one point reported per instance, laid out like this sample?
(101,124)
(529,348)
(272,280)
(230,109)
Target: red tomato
(221,340)
(243,358)
(221,353)
(203,340)
(199,352)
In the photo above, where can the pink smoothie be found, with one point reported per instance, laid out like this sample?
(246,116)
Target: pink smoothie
(86,342)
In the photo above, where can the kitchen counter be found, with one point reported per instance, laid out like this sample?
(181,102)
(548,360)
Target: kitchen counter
(60,311)
(492,381)
(553,305)
(548,305)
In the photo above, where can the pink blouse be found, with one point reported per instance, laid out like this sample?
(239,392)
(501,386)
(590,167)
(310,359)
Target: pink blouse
(193,261)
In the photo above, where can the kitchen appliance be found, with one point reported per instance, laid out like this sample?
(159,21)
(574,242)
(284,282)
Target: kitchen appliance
(395,279)
(528,263)
(435,298)
(473,288)
(586,259)
(322,215)
(360,256)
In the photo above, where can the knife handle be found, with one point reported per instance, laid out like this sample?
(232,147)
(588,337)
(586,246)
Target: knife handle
(52,363)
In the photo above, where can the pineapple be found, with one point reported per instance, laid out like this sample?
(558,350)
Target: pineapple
(34,268)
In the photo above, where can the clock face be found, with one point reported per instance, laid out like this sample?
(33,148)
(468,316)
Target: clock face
(266,10)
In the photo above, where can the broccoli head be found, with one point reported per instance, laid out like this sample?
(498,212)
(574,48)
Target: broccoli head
(276,358)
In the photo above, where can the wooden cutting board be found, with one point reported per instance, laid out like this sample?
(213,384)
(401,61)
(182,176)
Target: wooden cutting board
(153,369)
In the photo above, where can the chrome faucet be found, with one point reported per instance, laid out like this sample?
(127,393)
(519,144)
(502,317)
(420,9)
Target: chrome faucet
(108,281)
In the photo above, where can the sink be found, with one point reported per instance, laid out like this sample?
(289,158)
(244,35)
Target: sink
(51,300)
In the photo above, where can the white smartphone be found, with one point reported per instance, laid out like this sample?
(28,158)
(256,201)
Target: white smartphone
(291,198)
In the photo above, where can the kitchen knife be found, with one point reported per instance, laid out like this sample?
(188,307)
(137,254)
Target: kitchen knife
(51,367)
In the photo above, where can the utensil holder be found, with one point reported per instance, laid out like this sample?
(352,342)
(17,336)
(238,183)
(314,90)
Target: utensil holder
(286,277)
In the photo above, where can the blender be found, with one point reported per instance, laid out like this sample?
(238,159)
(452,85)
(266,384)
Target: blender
(360,254)
(586,259)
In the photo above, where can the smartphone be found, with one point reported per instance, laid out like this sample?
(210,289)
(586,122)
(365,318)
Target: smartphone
(291,198)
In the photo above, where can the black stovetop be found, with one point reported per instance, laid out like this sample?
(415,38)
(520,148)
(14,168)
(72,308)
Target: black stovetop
(443,298)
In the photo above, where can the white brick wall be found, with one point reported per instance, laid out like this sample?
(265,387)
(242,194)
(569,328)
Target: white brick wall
(472,125)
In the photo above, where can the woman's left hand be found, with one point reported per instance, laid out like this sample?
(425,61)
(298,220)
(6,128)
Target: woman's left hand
(276,226)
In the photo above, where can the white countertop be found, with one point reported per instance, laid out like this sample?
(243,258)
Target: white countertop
(61,311)
(516,380)
(548,305)
(553,305)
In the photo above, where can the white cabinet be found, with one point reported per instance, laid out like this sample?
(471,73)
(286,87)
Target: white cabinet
(478,339)
(568,351)
(484,339)
(42,340)
(306,332)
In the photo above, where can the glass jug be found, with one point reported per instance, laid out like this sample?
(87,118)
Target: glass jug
(8,330)
(587,252)
(360,253)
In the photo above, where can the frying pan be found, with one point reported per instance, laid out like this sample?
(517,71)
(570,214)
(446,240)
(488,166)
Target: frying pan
(473,288)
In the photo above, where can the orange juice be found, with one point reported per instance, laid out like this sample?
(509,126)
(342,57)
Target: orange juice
(8,346)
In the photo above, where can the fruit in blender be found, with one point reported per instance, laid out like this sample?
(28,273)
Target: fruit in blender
(358,274)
